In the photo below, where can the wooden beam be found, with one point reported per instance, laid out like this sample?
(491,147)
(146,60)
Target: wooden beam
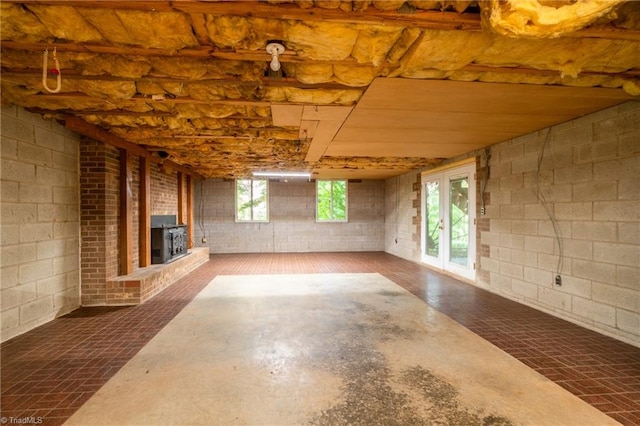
(428,19)
(202,52)
(82,97)
(72,74)
(80,126)
(190,224)
(200,28)
(144,213)
(121,112)
(180,198)
(418,18)
(125,252)
(115,112)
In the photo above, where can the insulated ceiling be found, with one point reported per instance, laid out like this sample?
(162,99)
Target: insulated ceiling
(189,79)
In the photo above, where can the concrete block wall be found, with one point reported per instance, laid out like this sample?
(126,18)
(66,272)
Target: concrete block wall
(40,221)
(292,226)
(589,176)
(400,211)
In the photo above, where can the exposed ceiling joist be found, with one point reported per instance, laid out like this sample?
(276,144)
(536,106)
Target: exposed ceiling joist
(426,19)
(191,77)
(10,73)
(82,127)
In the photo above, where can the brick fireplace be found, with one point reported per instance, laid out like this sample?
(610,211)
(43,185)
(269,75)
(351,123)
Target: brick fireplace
(102,279)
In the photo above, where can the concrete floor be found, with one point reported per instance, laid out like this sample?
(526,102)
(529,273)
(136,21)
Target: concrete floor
(325,349)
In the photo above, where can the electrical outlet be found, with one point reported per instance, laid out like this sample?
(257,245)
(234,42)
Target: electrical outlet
(558,280)
(482,211)
(204,240)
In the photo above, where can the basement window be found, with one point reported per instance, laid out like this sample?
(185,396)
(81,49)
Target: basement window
(252,200)
(331,200)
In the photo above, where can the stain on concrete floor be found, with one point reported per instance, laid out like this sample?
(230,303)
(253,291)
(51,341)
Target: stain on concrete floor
(370,394)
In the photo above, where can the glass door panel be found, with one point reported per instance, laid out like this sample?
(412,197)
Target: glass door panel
(433,221)
(459,221)
(448,220)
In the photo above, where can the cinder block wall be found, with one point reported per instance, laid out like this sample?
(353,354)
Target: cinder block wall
(590,177)
(40,221)
(402,236)
(292,226)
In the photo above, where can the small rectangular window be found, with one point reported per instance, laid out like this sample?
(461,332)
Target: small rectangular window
(252,200)
(331,200)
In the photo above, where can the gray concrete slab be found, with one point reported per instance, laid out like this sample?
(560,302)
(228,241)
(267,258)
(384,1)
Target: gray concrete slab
(324,349)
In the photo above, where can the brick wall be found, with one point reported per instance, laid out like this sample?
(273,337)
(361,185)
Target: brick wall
(100,195)
(164,191)
(589,176)
(292,226)
(40,221)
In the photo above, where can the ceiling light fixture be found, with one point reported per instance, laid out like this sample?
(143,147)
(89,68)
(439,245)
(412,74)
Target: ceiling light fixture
(282,174)
(275,49)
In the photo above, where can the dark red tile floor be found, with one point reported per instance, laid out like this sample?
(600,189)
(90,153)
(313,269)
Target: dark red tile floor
(51,371)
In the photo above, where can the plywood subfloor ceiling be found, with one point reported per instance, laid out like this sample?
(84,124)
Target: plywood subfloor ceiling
(444,119)
(367,89)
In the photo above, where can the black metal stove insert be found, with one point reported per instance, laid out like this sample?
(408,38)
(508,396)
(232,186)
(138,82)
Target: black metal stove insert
(168,240)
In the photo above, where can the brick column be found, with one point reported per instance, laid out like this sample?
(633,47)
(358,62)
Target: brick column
(99,219)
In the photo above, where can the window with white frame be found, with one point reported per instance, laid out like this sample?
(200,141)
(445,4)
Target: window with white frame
(252,200)
(331,200)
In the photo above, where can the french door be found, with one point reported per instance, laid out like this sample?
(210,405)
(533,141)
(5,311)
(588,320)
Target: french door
(448,220)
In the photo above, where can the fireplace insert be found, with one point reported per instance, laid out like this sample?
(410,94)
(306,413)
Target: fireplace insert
(168,240)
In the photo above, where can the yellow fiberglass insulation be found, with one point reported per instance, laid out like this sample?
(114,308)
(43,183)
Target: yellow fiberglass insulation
(151,88)
(407,38)
(65,23)
(387,4)
(102,89)
(354,76)
(211,111)
(106,21)
(139,28)
(117,65)
(321,40)
(19,24)
(234,32)
(374,42)
(314,73)
(162,30)
(530,18)
(569,56)
(312,96)
(227,31)
(446,50)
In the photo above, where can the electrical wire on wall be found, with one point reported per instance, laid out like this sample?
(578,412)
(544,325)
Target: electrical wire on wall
(397,210)
(541,197)
(486,156)
(201,209)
